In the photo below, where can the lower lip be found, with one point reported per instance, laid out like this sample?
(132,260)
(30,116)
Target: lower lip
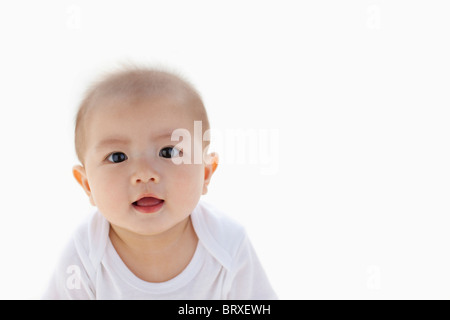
(149,209)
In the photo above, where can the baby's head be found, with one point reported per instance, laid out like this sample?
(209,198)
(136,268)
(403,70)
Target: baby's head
(124,139)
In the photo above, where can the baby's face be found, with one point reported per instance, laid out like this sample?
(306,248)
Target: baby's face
(129,172)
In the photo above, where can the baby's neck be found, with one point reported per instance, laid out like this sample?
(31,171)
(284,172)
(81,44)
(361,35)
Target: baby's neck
(156,258)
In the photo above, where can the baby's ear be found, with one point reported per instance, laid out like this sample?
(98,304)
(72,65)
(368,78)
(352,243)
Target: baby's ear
(211,163)
(79,173)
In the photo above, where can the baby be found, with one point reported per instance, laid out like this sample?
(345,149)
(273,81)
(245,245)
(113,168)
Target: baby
(151,237)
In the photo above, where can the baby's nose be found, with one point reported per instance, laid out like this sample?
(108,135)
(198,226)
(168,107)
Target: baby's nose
(145,173)
(145,180)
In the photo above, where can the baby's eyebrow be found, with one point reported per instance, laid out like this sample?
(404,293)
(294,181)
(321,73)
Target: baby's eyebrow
(163,136)
(111,141)
(123,141)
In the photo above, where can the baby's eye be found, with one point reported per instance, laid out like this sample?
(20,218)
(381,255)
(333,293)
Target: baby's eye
(170,152)
(117,157)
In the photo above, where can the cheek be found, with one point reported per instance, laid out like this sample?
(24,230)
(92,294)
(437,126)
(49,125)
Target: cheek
(187,182)
(108,189)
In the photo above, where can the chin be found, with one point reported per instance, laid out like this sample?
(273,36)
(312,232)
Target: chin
(153,227)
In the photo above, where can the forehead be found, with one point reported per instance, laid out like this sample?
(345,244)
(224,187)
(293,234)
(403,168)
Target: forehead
(136,118)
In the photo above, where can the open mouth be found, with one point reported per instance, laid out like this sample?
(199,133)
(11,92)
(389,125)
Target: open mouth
(148,204)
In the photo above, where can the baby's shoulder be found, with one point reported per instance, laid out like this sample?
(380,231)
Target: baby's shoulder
(218,232)
(90,238)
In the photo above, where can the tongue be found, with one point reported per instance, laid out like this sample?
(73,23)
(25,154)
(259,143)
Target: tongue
(148,202)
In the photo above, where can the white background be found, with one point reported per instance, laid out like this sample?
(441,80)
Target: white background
(357,91)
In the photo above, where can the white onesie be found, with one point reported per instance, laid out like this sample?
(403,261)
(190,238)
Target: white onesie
(224,265)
